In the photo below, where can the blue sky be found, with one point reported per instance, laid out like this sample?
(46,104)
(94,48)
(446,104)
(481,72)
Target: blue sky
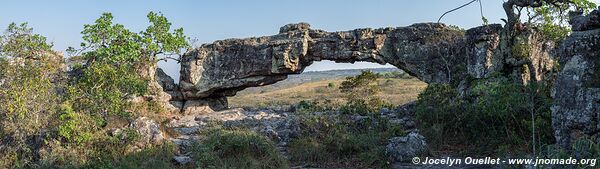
(62,20)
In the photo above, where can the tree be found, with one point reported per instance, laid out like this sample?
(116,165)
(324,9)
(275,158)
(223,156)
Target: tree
(361,93)
(18,41)
(550,15)
(113,43)
(29,85)
(118,64)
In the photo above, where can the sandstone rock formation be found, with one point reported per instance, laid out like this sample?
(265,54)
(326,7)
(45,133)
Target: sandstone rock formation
(426,51)
(432,52)
(576,108)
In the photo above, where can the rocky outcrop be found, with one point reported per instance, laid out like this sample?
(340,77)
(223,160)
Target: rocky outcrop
(429,52)
(482,46)
(282,125)
(576,108)
(432,52)
(583,23)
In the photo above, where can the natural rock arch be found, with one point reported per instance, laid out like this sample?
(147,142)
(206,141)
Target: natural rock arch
(431,52)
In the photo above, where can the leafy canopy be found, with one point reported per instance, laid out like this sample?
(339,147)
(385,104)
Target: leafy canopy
(116,61)
(28,95)
(112,43)
(551,16)
(18,41)
(362,93)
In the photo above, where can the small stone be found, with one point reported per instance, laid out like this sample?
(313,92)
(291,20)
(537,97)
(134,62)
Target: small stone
(182,160)
(149,130)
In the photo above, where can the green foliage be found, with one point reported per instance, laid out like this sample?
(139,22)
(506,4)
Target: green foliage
(505,110)
(117,60)
(554,32)
(582,148)
(153,157)
(237,149)
(49,121)
(330,85)
(28,94)
(521,50)
(19,41)
(305,106)
(112,43)
(158,40)
(341,139)
(552,18)
(484,20)
(440,108)
(361,94)
(500,115)
(72,126)
(101,90)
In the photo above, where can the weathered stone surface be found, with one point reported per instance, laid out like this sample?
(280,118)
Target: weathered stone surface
(434,53)
(482,46)
(204,106)
(283,126)
(165,81)
(576,108)
(583,23)
(182,160)
(427,51)
(403,149)
(149,130)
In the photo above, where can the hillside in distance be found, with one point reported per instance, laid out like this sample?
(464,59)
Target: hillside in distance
(323,85)
(313,76)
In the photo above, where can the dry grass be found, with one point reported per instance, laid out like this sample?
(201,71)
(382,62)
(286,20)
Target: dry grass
(395,91)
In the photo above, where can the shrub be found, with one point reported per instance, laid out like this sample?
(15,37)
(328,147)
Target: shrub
(29,97)
(237,149)
(49,121)
(441,111)
(306,106)
(582,148)
(339,139)
(331,85)
(497,114)
(152,157)
(361,94)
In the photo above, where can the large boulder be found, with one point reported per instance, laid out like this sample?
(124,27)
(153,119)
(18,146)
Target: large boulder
(576,108)
(403,149)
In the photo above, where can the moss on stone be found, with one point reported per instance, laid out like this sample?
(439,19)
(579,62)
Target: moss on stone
(521,50)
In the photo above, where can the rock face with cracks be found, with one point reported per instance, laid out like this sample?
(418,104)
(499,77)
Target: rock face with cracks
(428,51)
(432,52)
(576,108)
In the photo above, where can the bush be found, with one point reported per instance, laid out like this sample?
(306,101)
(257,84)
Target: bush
(441,112)
(237,149)
(50,121)
(327,140)
(306,106)
(29,98)
(152,157)
(361,94)
(582,148)
(497,114)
